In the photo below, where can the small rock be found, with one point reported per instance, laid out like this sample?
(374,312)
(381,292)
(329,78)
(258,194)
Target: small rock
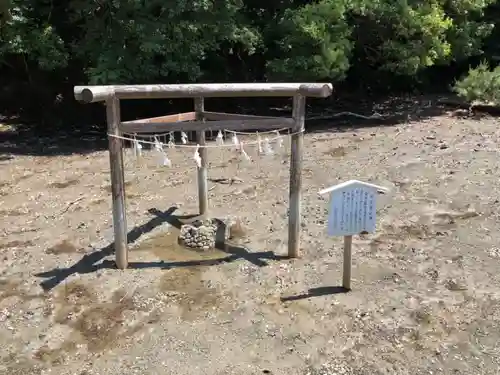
(236,230)
(433,274)
(455,285)
(494,252)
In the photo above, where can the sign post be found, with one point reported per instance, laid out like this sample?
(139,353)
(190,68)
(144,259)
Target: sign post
(346,274)
(352,210)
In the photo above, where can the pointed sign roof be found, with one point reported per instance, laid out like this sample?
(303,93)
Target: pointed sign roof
(352,183)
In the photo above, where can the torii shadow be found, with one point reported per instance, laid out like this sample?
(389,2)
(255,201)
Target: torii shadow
(96,261)
(316,292)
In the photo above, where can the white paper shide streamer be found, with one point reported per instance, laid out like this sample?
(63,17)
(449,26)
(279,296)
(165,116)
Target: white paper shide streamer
(236,141)
(184,138)
(244,155)
(171,143)
(268,150)
(262,142)
(279,139)
(158,145)
(137,148)
(164,160)
(219,140)
(259,143)
(197,157)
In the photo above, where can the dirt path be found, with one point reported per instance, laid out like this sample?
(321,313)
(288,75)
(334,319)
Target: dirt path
(426,294)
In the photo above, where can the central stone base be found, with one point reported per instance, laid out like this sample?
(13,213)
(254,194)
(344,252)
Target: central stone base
(200,234)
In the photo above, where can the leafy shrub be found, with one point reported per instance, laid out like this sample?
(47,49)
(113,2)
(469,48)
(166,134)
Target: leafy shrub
(481,84)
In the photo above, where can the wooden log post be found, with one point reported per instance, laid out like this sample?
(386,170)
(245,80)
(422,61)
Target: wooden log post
(297,142)
(117,182)
(202,172)
(346,274)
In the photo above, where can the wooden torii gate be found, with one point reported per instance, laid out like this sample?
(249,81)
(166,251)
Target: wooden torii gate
(112,95)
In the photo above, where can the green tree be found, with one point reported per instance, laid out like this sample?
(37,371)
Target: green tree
(47,47)
(311,42)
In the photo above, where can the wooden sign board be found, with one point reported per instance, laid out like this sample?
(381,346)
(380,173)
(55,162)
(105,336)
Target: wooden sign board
(352,210)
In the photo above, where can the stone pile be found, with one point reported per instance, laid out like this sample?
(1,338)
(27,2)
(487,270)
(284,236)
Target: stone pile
(199,234)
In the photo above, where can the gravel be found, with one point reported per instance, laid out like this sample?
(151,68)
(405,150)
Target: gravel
(425,285)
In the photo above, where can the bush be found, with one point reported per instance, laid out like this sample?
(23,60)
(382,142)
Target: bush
(481,84)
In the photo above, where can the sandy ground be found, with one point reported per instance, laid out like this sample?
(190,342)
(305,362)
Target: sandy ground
(425,298)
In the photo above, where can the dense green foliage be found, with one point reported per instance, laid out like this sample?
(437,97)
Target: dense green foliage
(46,47)
(480,85)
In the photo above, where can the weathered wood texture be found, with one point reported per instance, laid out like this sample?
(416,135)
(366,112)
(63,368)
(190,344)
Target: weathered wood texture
(117,183)
(140,126)
(178,117)
(93,94)
(346,274)
(90,94)
(297,142)
(216,116)
(203,171)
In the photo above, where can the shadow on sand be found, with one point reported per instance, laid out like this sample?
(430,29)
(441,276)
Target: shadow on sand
(96,261)
(316,292)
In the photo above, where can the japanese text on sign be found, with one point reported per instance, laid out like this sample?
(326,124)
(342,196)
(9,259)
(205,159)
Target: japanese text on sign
(352,211)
